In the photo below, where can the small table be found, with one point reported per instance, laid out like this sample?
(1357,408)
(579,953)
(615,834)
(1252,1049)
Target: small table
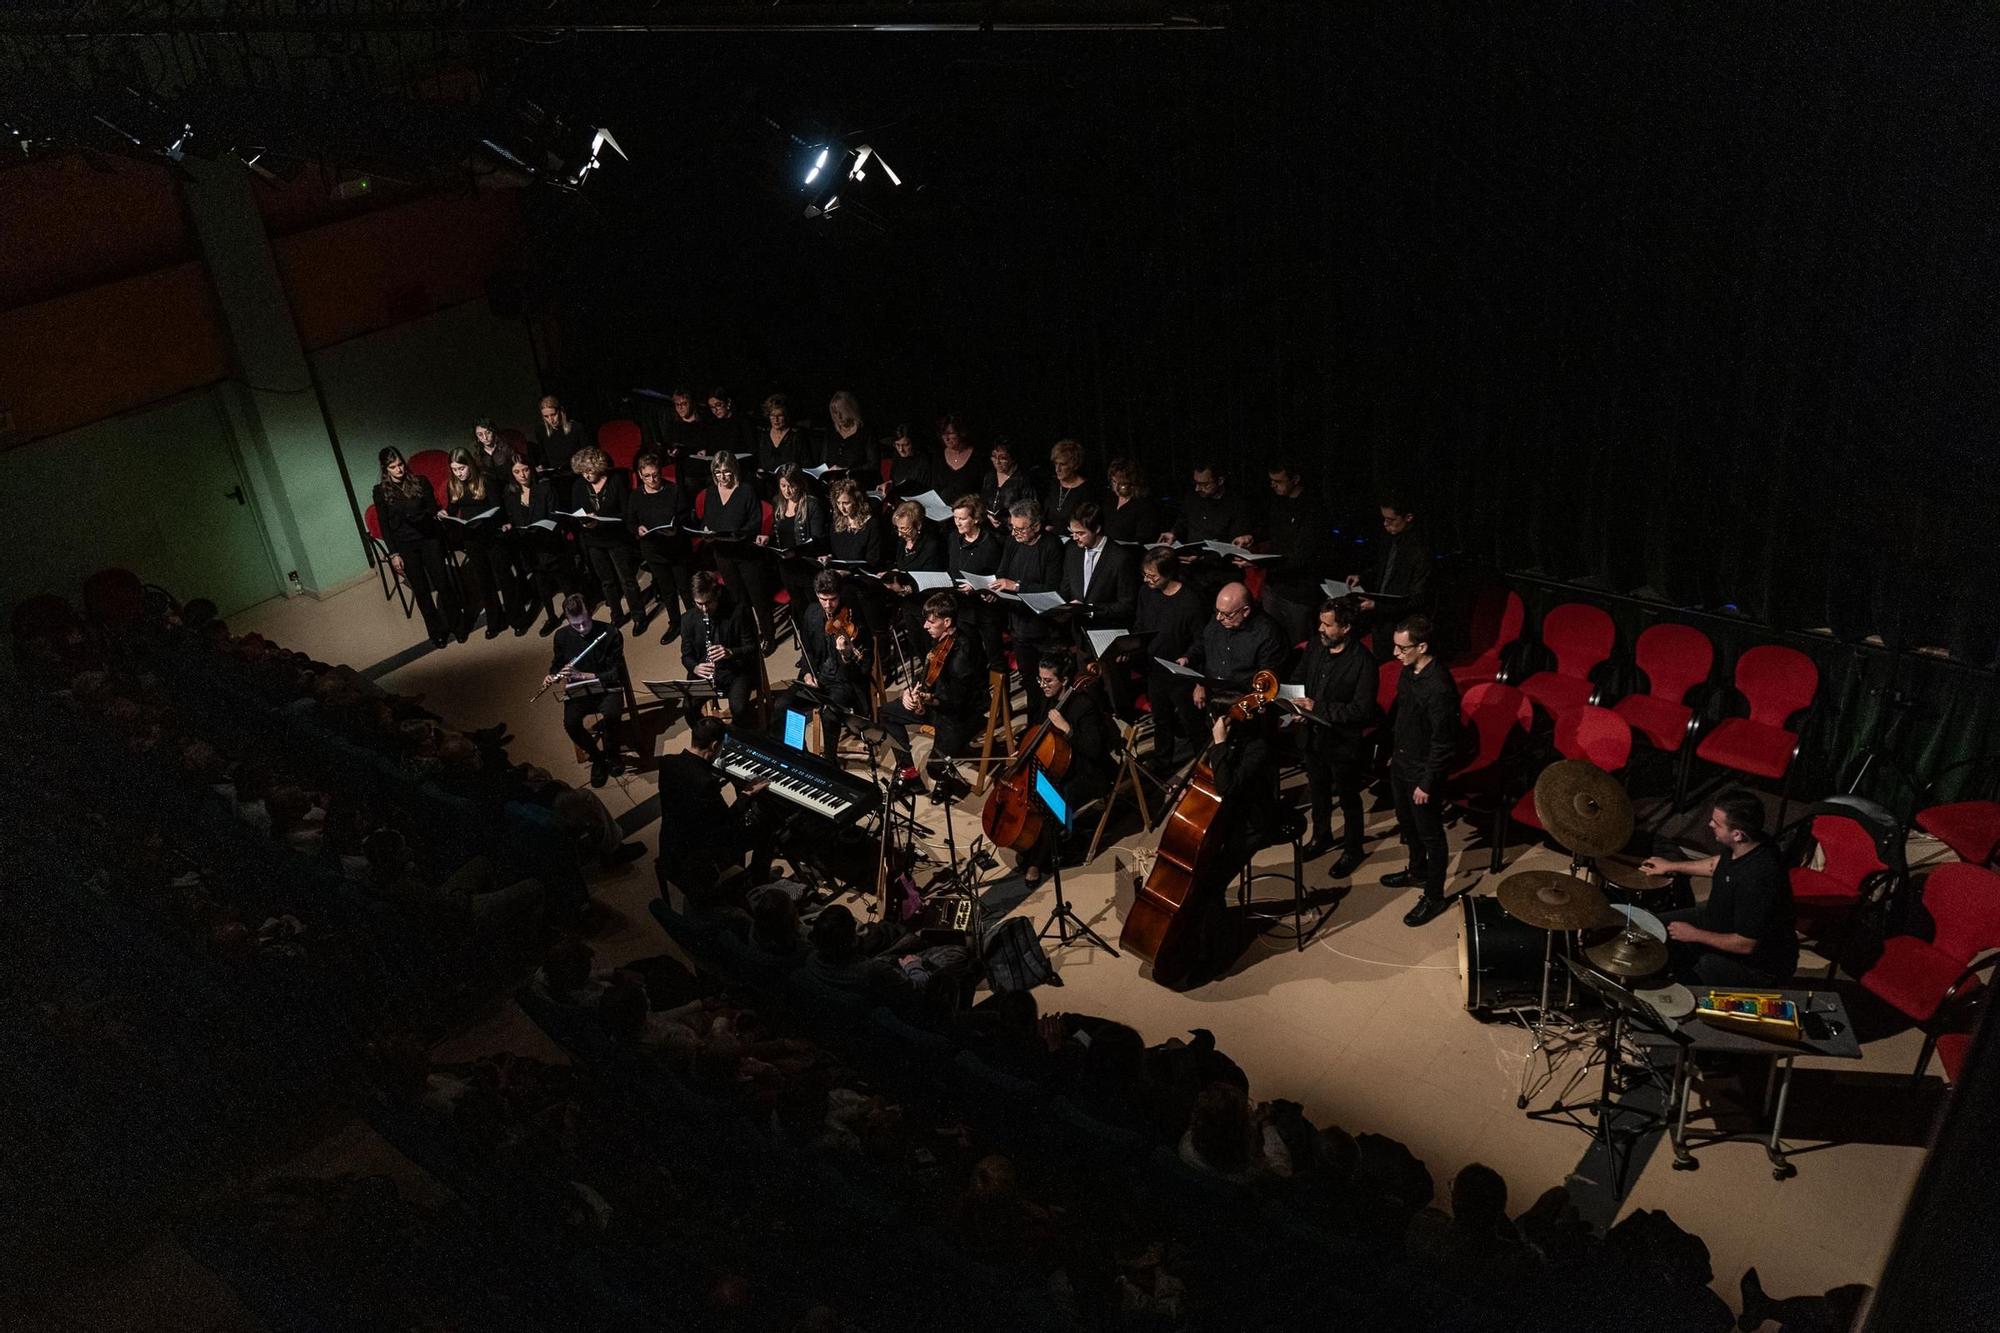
(1841,1045)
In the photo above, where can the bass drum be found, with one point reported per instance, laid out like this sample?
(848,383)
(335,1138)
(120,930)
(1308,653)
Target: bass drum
(1499,958)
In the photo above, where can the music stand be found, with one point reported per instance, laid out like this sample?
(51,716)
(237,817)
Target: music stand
(1069,928)
(1604,1129)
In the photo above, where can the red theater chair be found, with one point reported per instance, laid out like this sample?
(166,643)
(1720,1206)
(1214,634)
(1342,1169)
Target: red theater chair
(394,585)
(1585,732)
(1778,684)
(1672,660)
(1851,872)
(1498,616)
(1581,637)
(1971,828)
(1937,981)
(435,466)
(620,442)
(1496,714)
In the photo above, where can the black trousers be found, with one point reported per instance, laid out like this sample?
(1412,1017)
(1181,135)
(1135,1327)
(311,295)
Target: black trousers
(673,578)
(1175,718)
(617,567)
(593,741)
(435,586)
(952,738)
(1028,657)
(491,570)
(1698,966)
(1422,827)
(736,687)
(1336,771)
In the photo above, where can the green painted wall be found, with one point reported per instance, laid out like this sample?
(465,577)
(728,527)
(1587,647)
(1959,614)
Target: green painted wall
(421,385)
(145,491)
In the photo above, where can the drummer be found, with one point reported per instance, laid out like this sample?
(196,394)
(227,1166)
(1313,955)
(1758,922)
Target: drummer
(1744,933)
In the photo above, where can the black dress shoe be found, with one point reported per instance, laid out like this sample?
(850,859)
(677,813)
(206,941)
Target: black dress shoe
(1348,863)
(463,634)
(1320,845)
(494,629)
(440,640)
(1400,879)
(1427,907)
(600,773)
(549,626)
(521,626)
(673,632)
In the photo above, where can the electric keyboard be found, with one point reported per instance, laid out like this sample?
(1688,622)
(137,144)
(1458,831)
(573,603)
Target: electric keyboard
(805,780)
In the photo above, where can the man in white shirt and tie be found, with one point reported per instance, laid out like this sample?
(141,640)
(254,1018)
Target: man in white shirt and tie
(1100,575)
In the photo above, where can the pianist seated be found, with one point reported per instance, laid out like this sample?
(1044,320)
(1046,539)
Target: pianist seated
(695,820)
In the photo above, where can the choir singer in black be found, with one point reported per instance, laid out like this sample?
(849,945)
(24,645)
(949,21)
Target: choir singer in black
(1426,744)
(1339,679)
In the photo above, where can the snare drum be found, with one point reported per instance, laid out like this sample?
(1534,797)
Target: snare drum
(1499,958)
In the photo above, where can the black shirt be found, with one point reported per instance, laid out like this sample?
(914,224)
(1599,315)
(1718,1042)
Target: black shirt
(791,447)
(928,553)
(469,506)
(695,815)
(1037,567)
(854,453)
(605,660)
(1176,621)
(612,499)
(1060,501)
(1752,897)
(1342,688)
(656,511)
(1233,656)
(1140,521)
(868,543)
(1213,518)
(407,519)
(1403,569)
(817,650)
(1001,496)
(912,475)
(1093,741)
(805,528)
(1426,726)
(1298,528)
(742,515)
(731,626)
(980,556)
(954,483)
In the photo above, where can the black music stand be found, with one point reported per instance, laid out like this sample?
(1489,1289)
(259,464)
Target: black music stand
(1604,1110)
(1069,928)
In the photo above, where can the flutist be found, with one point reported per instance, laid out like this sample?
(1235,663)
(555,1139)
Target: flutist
(589,653)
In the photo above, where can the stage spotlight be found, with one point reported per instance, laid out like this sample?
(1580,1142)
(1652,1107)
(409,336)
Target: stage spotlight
(598,143)
(862,156)
(813,175)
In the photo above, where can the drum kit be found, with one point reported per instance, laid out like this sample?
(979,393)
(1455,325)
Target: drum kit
(1511,942)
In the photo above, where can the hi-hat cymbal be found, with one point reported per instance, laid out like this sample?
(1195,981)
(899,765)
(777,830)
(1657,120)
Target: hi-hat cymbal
(1553,901)
(1583,808)
(1630,953)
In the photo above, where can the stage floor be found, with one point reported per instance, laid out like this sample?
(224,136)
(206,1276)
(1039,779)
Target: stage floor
(1366,1028)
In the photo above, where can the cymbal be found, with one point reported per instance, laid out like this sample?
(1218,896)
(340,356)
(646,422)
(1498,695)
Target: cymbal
(1622,872)
(1628,954)
(1553,901)
(1583,808)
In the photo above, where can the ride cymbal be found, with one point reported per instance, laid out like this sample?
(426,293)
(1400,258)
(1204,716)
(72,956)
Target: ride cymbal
(1629,954)
(1583,808)
(1550,900)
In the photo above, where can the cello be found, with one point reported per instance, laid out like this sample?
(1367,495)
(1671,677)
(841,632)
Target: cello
(1012,817)
(1161,925)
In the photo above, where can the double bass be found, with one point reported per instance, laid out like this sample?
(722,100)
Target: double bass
(1161,927)
(1013,818)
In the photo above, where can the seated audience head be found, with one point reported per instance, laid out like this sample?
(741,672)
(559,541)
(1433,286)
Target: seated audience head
(566,967)
(388,854)
(834,934)
(1220,1128)
(1479,1198)
(623,1007)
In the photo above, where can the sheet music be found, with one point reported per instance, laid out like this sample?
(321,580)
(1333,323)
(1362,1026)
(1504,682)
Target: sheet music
(1175,668)
(978,582)
(928,580)
(934,505)
(1100,639)
(1291,691)
(1229,552)
(450,518)
(545,524)
(1336,590)
(581,513)
(1041,603)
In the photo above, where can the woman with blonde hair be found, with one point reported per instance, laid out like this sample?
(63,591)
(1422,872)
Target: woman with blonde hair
(1070,488)
(858,536)
(407,509)
(603,496)
(480,514)
(798,536)
(847,445)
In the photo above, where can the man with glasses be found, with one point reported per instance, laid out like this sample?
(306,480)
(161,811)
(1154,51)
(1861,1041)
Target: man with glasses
(1031,562)
(1212,512)
(1426,744)
(1238,643)
(1402,570)
(1175,614)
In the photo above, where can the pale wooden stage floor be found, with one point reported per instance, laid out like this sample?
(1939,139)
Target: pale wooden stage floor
(1366,1028)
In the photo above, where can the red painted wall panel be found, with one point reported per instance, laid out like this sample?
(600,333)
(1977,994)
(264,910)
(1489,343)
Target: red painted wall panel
(70,226)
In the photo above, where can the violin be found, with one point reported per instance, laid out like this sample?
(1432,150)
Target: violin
(1013,818)
(926,689)
(1161,925)
(841,625)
